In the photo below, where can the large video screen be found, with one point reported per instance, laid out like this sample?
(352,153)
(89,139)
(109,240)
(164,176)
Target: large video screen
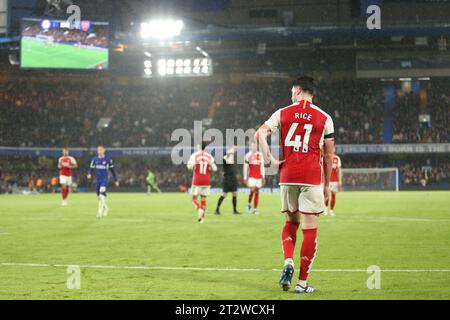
(62,45)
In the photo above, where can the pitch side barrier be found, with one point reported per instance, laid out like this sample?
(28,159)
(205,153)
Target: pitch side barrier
(416,148)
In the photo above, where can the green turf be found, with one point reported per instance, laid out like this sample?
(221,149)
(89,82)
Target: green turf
(37,54)
(406,230)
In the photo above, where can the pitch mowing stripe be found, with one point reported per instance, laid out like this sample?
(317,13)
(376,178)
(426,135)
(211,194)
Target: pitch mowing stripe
(47,265)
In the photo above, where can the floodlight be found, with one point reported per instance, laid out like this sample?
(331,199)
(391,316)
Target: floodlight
(161,28)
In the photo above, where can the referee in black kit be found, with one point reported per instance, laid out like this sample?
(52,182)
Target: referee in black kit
(230,182)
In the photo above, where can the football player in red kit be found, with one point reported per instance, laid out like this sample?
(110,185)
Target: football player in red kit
(305,130)
(65,165)
(335,183)
(254,176)
(201,163)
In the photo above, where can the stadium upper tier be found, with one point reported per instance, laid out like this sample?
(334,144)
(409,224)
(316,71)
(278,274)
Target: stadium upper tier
(53,114)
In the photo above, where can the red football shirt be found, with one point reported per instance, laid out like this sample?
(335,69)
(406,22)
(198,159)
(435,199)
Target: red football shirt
(303,128)
(63,164)
(335,166)
(255,162)
(202,163)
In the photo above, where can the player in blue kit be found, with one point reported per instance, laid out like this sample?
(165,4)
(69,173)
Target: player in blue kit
(102,165)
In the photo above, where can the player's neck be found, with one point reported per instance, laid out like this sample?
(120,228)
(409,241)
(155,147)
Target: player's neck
(302,97)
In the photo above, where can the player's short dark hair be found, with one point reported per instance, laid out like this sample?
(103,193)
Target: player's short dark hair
(306,83)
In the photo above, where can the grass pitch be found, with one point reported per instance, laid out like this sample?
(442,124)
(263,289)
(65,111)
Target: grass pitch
(150,247)
(38,54)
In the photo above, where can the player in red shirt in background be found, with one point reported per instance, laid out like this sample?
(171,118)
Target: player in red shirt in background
(305,130)
(254,175)
(65,164)
(201,163)
(335,183)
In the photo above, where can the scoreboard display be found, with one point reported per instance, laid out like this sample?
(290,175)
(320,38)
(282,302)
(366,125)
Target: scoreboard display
(60,44)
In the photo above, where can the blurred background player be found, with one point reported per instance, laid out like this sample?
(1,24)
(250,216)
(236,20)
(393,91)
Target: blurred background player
(304,178)
(230,182)
(335,183)
(254,175)
(151,182)
(201,163)
(65,164)
(102,165)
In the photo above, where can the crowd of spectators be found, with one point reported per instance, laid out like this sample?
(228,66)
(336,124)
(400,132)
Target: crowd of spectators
(434,100)
(55,113)
(59,113)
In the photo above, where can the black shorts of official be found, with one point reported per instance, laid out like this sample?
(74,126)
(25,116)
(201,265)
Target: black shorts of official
(230,185)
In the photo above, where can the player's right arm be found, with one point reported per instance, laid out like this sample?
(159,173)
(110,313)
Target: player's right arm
(245,176)
(91,168)
(191,162)
(269,127)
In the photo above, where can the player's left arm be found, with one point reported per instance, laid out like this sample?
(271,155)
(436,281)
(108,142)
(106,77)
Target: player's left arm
(113,171)
(73,163)
(339,172)
(328,153)
(213,165)
(263,171)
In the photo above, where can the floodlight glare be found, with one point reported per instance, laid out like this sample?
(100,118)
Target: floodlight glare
(161,28)
(162,71)
(196,62)
(161,63)
(187,70)
(196,69)
(147,63)
(170,63)
(205,69)
(170,71)
(179,70)
(148,71)
(187,63)
(179,63)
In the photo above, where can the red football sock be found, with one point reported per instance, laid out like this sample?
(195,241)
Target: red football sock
(64,192)
(308,252)
(203,204)
(326,202)
(288,238)
(67,192)
(195,203)
(250,197)
(256,199)
(333,200)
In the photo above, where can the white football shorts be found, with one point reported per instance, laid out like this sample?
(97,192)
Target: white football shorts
(254,183)
(303,199)
(200,190)
(65,180)
(334,187)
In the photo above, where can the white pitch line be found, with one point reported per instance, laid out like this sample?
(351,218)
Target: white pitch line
(47,265)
